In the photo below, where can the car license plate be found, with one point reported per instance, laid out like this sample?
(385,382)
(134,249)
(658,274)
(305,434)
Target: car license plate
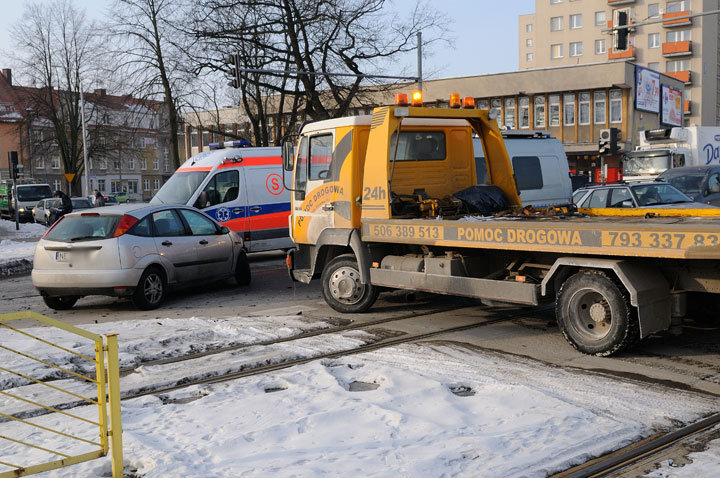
(62,256)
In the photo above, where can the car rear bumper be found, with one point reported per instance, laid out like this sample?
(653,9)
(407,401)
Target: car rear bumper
(86,282)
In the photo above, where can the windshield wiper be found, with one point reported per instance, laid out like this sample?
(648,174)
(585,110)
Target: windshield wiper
(79,238)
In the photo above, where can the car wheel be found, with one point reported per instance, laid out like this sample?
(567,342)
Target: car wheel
(342,289)
(242,270)
(151,290)
(60,303)
(595,315)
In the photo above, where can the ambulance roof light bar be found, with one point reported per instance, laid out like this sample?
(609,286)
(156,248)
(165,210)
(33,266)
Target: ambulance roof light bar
(242,143)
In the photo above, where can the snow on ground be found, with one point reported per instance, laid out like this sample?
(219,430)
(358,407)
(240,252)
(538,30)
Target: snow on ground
(17,247)
(705,464)
(28,230)
(413,410)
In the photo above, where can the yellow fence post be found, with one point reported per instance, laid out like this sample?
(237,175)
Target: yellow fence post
(116,449)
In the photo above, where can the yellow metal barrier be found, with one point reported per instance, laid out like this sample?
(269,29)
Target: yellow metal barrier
(107,400)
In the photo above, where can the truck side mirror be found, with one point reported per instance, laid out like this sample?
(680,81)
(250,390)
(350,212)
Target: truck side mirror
(288,153)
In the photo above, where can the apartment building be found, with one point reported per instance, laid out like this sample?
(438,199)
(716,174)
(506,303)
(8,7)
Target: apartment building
(570,32)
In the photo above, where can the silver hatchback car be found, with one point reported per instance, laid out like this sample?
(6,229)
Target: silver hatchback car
(135,251)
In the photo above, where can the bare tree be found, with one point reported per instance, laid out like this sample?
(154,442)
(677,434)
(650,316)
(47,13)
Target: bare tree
(151,51)
(54,52)
(358,37)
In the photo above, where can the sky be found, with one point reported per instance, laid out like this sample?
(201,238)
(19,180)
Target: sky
(483,42)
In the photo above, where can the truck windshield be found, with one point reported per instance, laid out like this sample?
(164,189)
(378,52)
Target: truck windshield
(179,188)
(646,165)
(33,192)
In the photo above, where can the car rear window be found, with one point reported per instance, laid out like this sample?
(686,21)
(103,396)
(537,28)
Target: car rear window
(83,228)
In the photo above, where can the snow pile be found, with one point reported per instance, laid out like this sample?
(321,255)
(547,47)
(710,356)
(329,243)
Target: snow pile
(413,410)
(17,247)
(27,230)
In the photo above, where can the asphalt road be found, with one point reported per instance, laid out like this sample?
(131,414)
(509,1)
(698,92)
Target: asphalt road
(688,361)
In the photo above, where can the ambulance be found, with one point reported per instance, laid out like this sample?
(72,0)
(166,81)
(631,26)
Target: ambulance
(241,187)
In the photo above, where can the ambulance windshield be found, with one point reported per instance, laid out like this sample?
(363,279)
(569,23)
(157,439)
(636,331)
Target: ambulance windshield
(179,188)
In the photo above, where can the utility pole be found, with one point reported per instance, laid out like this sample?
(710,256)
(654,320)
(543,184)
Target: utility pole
(419,60)
(84,135)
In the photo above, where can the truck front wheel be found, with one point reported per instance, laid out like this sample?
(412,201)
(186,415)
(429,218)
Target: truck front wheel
(342,289)
(595,315)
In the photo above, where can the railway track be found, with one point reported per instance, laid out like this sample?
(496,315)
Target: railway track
(639,454)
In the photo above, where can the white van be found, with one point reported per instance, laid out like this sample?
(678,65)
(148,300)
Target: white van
(241,187)
(540,165)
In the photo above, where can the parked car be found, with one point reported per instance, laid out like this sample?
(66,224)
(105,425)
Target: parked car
(134,251)
(111,200)
(81,203)
(41,211)
(122,197)
(701,183)
(621,195)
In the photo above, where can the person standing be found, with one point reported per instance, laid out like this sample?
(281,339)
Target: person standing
(65,207)
(99,200)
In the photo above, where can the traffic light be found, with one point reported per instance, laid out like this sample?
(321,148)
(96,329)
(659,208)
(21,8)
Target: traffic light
(13,160)
(604,142)
(233,61)
(614,140)
(620,37)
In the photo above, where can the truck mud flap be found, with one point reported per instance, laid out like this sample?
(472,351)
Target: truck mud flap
(505,291)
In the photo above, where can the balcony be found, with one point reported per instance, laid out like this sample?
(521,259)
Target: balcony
(678,48)
(668,19)
(619,2)
(686,107)
(683,76)
(627,55)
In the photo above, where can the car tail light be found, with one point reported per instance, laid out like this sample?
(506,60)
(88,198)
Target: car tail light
(51,227)
(89,214)
(126,222)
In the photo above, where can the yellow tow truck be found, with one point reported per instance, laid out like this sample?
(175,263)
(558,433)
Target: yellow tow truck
(373,207)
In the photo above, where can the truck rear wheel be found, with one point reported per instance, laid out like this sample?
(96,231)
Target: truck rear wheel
(595,315)
(342,289)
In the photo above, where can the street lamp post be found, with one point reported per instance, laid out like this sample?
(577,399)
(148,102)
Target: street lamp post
(30,113)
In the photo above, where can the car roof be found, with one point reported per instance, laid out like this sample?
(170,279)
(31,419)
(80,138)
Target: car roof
(139,210)
(617,185)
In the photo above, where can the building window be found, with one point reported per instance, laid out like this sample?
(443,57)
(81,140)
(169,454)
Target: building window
(529,28)
(600,19)
(114,187)
(524,112)
(678,35)
(143,164)
(529,57)
(116,163)
(654,40)
(556,50)
(576,21)
(131,164)
(156,164)
(681,6)
(653,10)
(156,183)
(554,110)
(55,162)
(600,47)
(146,184)
(132,186)
(616,106)
(40,163)
(166,163)
(584,109)
(528,42)
(539,112)
(576,48)
(510,113)
(555,1)
(101,185)
(569,109)
(677,65)
(103,163)
(56,185)
(497,110)
(600,104)
(654,65)
(556,24)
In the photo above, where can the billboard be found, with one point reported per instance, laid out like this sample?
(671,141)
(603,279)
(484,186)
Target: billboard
(672,106)
(647,90)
